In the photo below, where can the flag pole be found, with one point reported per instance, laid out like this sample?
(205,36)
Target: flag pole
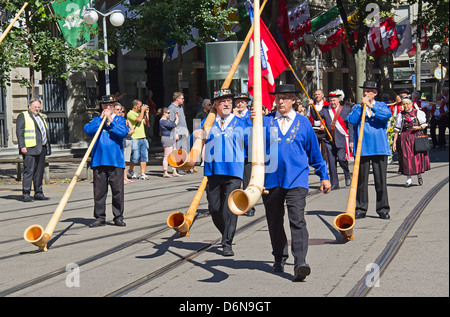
(320,118)
(12,23)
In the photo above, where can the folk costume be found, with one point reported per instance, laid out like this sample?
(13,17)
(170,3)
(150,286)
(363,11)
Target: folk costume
(439,119)
(342,133)
(315,123)
(108,164)
(374,151)
(410,162)
(224,167)
(291,145)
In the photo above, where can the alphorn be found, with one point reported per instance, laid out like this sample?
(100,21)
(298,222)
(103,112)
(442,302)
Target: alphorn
(12,22)
(179,158)
(240,201)
(345,222)
(35,234)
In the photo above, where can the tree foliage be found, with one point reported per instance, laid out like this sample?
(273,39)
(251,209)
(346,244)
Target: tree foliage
(36,44)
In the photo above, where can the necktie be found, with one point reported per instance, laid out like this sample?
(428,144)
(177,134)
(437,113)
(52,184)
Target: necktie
(42,128)
(222,124)
(283,122)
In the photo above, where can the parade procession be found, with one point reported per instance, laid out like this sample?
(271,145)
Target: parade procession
(293,162)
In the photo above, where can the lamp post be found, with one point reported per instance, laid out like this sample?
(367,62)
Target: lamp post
(440,72)
(116,18)
(310,38)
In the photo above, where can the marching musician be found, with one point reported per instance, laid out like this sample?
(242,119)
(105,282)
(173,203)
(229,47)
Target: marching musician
(297,146)
(374,150)
(339,149)
(107,162)
(223,164)
(319,102)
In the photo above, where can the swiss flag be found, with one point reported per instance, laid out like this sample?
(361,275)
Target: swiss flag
(382,40)
(273,63)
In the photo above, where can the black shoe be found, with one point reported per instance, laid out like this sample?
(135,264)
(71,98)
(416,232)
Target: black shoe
(27,198)
(97,223)
(335,187)
(227,251)
(408,185)
(40,197)
(348,181)
(360,215)
(384,215)
(278,267)
(301,272)
(250,213)
(119,223)
(420,180)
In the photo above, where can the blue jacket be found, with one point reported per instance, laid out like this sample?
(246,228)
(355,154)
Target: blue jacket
(375,141)
(224,150)
(108,150)
(289,156)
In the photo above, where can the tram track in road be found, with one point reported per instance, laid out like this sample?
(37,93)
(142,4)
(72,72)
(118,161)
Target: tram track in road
(363,287)
(158,272)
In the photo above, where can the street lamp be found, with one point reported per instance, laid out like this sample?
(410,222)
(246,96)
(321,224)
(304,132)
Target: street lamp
(440,72)
(116,18)
(310,38)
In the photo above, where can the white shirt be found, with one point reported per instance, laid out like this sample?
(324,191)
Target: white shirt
(289,120)
(420,115)
(319,107)
(226,120)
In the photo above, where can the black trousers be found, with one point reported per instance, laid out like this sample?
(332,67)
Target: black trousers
(295,199)
(33,172)
(112,176)
(379,166)
(336,155)
(441,124)
(247,174)
(218,189)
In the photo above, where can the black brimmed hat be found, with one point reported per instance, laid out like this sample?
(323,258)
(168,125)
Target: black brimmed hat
(107,99)
(242,96)
(404,91)
(368,84)
(284,89)
(222,93)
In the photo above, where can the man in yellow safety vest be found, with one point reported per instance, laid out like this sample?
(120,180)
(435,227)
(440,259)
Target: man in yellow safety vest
(34,144)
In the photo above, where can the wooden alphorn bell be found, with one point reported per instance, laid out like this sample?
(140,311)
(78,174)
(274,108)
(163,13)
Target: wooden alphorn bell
(240,201)
(35,234)
(345,222)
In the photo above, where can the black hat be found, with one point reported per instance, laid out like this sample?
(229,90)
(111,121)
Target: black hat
(107,99)
(242,96)
(222,93)
(404,91)
(369,85)
(285,89)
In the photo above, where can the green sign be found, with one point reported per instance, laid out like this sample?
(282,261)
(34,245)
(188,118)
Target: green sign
(72,25)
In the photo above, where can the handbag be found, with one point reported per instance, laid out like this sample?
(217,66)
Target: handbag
(421,143)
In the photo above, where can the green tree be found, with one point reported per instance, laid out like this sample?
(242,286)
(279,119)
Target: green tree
(163,24)
(38,46)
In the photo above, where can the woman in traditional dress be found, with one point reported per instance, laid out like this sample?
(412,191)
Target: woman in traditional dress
(408,124)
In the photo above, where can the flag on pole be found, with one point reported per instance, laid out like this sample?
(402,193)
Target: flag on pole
(299,24)
(327,23)
(423,40)
(405,37)
(273,63)
(72,27)
(383,39)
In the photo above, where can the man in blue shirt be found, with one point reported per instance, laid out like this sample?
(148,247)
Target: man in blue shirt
(374,150)
(287,182)
(224,164)
(108,162)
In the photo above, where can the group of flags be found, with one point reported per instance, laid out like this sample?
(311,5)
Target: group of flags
(381,39)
